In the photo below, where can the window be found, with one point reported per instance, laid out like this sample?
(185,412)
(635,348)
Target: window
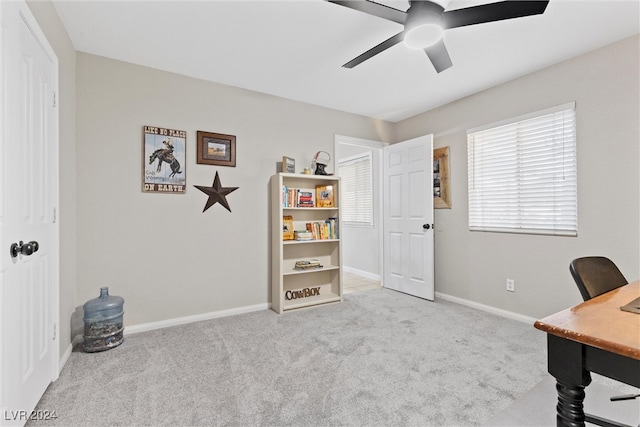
(522,174)
(356,189)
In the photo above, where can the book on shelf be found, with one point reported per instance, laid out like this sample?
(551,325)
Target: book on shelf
(307,264)
(303,235)
(323,230)
(298,197)
(305,198)
(324,196)
(288,197)
(333,226)
(287,227)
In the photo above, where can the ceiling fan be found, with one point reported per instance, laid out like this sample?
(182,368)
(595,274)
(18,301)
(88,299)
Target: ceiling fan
(425,21)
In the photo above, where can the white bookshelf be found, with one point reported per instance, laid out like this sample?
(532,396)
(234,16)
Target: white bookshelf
(287,282)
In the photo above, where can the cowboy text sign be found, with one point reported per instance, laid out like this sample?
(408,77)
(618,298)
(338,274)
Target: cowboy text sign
(302,293)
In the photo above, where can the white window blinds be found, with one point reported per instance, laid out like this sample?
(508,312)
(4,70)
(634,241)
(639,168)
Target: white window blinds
(522,174)
(356,189)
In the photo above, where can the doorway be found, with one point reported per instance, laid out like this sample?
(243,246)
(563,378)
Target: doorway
(352,282)
(362,241)
(392,244)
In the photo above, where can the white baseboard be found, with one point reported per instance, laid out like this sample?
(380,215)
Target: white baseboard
(362,273)
(77,341)
(248,309)
(487,308)
(195,318)
(143,327)
(65,357)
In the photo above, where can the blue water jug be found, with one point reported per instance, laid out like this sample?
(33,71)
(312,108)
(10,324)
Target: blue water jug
(103,322)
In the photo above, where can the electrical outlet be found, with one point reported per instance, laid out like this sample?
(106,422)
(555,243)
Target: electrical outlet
(511,285)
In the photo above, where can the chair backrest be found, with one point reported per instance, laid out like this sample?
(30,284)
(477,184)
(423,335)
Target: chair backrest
(596,275)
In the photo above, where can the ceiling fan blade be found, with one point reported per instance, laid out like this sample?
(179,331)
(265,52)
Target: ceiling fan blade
(492,12)
(439,56)
(392,41)
(375,9)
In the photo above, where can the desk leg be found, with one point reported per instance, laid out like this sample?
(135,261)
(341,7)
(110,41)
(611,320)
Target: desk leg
(566,364)
(570,406)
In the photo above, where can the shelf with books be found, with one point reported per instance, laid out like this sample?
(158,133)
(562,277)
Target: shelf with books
(291,287)
(306,242)
(308,191)
(316,208)
(310,224)
(311,270)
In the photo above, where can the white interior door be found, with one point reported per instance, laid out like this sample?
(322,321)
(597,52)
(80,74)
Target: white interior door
(28,198)
(408,217)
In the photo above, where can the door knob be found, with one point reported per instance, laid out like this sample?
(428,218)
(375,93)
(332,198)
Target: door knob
(25,249)
(426,226)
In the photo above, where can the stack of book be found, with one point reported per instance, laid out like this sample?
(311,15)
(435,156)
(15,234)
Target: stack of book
(303,235)
(298,198)
(305,199)
(307,264)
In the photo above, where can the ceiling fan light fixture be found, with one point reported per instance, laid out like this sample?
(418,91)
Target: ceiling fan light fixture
(423,36)
(423,27)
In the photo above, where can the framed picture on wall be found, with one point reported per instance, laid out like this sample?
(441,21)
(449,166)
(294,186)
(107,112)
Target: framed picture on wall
(164,160)
(216,149)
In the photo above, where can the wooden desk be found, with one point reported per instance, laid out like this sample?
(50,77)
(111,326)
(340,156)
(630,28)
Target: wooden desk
(595,336)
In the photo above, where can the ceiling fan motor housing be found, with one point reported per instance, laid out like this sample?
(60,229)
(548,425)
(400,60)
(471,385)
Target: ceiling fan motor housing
(423,12)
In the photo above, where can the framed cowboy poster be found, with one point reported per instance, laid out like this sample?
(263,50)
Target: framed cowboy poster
(164,160)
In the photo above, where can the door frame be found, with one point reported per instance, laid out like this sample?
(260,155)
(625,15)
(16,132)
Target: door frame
(24,12)
(378,181)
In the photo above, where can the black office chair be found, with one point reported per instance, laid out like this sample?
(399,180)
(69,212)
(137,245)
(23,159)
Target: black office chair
(596,275)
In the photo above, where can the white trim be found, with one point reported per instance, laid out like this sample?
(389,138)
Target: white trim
(143,327)
(67,353)
(487,308)
(78,340)
(151,326)
(362,273)
(350,140)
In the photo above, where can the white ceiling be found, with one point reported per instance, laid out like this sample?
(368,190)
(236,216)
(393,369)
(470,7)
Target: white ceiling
(295,49)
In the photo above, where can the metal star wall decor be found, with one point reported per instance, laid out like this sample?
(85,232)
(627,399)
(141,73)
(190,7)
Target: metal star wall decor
(217,193)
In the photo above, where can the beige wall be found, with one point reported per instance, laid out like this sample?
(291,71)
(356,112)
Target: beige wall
(48,20)
(474,266)
(160,252)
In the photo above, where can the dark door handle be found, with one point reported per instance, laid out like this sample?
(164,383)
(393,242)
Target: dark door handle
(426,226)
(25,249)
